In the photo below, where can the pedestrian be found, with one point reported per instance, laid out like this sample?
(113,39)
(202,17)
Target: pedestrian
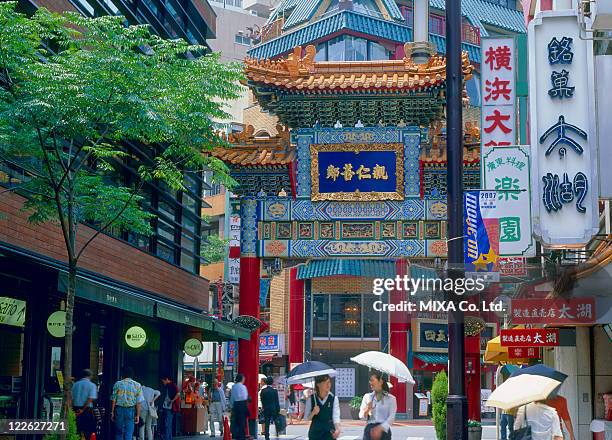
(322,408)
(171,404)
(148,413)
(543,420)
(217,407)
(84,392)
(560,404)
(378,408)
(270,406)
(240,409)
(506,424)
(291,404)
(125,404)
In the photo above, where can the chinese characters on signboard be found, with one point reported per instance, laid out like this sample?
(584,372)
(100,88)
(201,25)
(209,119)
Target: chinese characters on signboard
(233,266)
(524,352)
(498,93)
(269,344)
(562,111)
(231,351)
(345,382)
(553,311)
(531,337)
(354,172)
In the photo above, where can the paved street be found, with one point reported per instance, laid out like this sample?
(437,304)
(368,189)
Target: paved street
(352,430)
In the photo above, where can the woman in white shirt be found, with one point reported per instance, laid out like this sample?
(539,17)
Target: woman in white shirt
(322,408)
(378,408)
(146,413)
(543,419)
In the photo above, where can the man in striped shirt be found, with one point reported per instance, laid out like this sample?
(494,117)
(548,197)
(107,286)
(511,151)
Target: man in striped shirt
(125,405)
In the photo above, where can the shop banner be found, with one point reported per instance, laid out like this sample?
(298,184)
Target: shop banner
(512,266)
(553,311)
(231,349)
(12,311)
(269,344)
(530,337)
(524,353)
(481,232)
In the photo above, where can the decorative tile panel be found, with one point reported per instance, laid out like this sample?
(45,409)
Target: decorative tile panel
(248,227)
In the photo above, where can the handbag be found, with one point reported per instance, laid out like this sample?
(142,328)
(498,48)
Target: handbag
(523,433)
(280,422)
(153,411)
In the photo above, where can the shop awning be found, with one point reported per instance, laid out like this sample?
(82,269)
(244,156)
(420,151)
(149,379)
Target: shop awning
(226,331)
(108,295)
(359,268)
(184,316)
(432,358)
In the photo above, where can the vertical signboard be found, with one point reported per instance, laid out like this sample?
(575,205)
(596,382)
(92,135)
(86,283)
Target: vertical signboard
(562,112)
(481,232)
(233,263)
(498,93)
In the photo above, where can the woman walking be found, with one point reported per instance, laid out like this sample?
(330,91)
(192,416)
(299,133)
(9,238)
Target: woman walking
(148,413)
(378,408)
(323,410)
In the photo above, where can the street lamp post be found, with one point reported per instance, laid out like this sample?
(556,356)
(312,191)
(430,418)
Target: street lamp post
(456,404)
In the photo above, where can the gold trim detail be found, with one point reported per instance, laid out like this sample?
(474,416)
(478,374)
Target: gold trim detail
(357,196)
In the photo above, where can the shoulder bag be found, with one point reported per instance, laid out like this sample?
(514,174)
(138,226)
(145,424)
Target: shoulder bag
(524,433)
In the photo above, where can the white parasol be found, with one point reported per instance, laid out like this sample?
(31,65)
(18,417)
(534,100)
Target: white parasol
(385,363)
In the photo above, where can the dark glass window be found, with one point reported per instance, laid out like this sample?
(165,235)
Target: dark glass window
(377,51)
(335,49)
(320,316)
(345,316)
(371,317)
(356,49)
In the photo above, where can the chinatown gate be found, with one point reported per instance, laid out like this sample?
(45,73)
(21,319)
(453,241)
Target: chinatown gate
(354,184)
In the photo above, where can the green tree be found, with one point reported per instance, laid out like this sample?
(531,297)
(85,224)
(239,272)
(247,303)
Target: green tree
(439,393)
(214,249)
(75,95)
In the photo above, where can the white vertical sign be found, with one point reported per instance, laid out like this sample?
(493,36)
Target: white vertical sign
(562,113)
(498,93)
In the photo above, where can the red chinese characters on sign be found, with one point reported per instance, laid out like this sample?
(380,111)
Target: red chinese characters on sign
(553,311)
(524,353)
(530,337)
(498,93)
(512,266)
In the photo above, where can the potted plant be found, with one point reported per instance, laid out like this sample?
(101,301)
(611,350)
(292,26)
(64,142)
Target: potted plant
(355,404)
(474,430)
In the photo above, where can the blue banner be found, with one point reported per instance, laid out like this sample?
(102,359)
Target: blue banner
(479,253)
(365,171)
(268,343)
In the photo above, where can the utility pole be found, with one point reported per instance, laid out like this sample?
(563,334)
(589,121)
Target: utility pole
(456,404)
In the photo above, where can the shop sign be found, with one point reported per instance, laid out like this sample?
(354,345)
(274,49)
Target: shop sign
(193,347)
(12,311)
(512,266)
(553,311)
(498,93)
(563,118)
(345,382)
(507,171)
(524,352)
(231,348)
(135,337)
(481,232)
(531,337)
(430,336)
(234,245)
(269,344)
(56,324)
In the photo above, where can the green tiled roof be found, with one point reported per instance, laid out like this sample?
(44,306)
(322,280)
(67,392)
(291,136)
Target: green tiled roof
(482,12)
(331,267)
(348,20)
(303,10)
(432,358)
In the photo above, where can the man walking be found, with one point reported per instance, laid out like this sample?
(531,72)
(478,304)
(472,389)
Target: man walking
(216,407)
(170,405)
(125,405)
(84,392)
(270,406)
(240,409)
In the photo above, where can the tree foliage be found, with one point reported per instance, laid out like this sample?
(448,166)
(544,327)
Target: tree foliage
(439,393)
(82,100)
(214,249)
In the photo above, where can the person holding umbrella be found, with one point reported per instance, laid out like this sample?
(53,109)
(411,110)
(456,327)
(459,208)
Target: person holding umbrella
(378,408)
(323,410)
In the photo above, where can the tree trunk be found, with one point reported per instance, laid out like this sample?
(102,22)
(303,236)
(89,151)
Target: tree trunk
(72,274)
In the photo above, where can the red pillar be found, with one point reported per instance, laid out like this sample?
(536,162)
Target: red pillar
(248,351)
(398,336)
(472,369)
(296,318)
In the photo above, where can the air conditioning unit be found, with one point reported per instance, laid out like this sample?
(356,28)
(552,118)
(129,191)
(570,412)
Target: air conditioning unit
(601,15)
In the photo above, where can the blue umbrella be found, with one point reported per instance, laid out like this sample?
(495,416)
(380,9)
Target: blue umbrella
(306,371)
(541,370)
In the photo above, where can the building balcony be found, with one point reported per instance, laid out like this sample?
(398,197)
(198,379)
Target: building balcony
(261,7)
